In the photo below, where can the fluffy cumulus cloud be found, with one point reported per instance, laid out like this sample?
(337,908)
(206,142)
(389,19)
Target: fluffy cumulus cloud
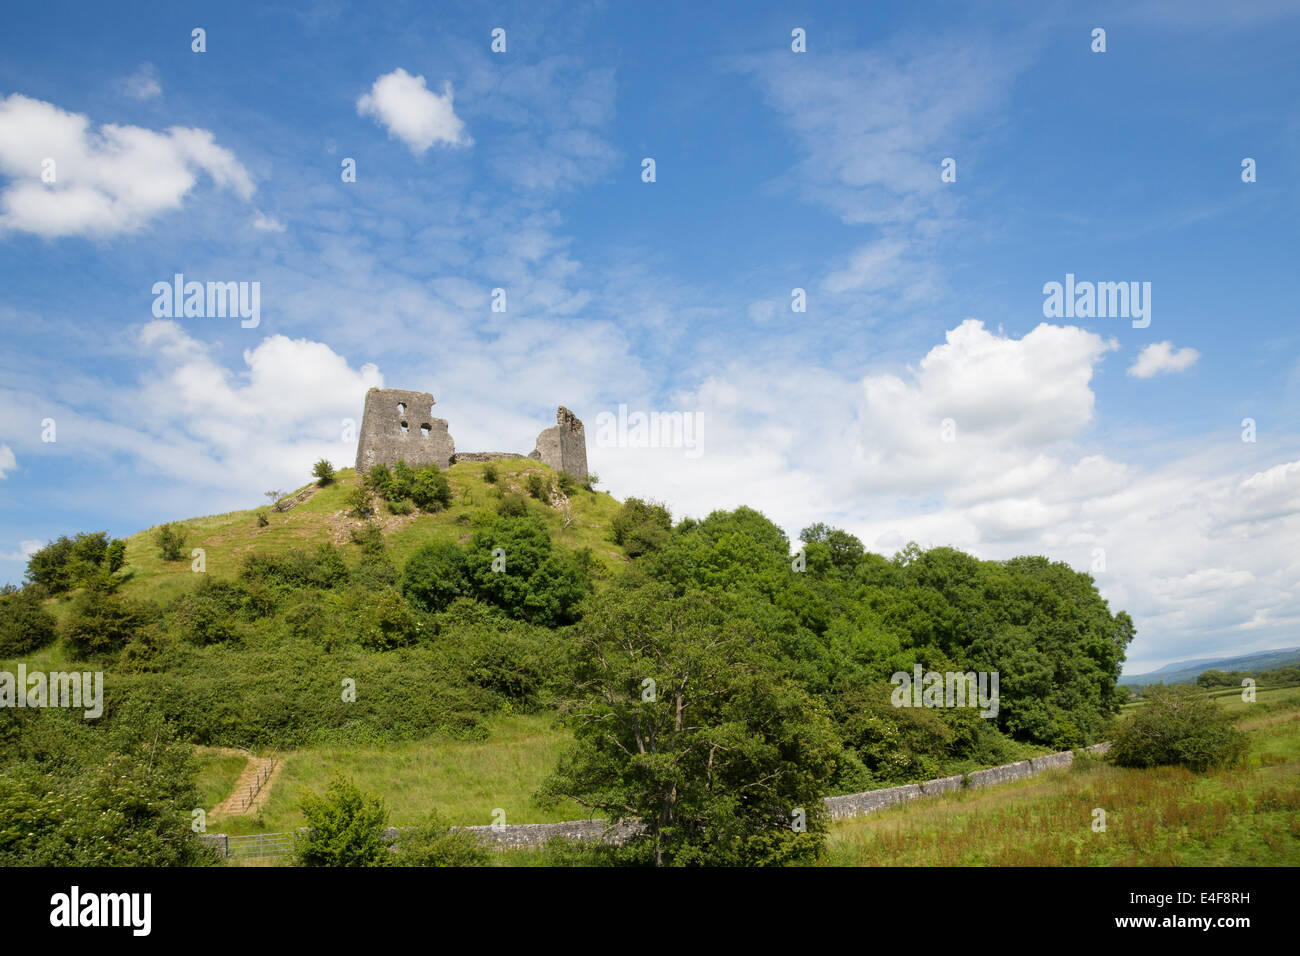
(8,461)
(204,437)
(66,179)
(413,113)
(1160,357)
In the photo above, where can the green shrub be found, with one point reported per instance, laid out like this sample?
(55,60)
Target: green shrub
(512,505)
(535,585)
(435,576)
(25,624)
(432,842)
(567,484)
(430,490)
(536,485)
(262,519)
(641,526)
(360,504)
(70,562)
(115,792)
(322,567)
(400,506)
(1178,727)
(379,480)
(209,613)
(323,472)
(170,540)
(385,621)
(101,622)
(345,827)
(490,473)
(115,556)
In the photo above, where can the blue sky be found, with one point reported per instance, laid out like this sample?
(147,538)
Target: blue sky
(775,170)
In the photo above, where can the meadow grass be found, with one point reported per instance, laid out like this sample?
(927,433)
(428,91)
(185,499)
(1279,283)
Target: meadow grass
(464,780)
(1246,815)
(218,772)
(227,538)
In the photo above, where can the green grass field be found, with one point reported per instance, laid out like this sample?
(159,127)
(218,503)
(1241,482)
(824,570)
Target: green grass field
(464,780)
(217,775)
(1247,816)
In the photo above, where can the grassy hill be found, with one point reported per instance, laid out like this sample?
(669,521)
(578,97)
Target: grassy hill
(324,517)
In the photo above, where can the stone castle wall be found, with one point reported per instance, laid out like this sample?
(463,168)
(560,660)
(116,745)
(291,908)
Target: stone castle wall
(398,425)
(563,446)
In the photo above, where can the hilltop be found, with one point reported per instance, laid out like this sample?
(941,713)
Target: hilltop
(318,515)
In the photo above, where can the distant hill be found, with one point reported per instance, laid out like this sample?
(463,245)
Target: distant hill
(1184,672)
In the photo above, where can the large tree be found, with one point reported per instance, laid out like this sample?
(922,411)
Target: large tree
(685,720)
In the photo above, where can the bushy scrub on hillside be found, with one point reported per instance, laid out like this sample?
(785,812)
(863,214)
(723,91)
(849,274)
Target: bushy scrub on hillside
(321,567)
(170,539)
(512,505)
(1178,727)
(536,486)
(510,564)
(70,562)
(101,622)
(425,488)
(323,472)
(25,624)
(641,526)
(113,792)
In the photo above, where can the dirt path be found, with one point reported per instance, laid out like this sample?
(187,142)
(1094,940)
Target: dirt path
(233,804)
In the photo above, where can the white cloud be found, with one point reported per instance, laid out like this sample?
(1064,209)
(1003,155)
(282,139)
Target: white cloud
(107,181)
(412,113)
(1160,357)
(143,84)
(25,550)
(265,223)
(873,124)
(7,460)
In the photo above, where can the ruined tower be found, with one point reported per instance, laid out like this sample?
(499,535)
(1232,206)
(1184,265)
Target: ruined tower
(563,446)
(399,426)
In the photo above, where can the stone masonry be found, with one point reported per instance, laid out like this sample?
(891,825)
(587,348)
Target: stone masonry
(398,425)
(563,446)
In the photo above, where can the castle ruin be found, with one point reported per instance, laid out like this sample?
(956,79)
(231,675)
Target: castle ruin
(399,425)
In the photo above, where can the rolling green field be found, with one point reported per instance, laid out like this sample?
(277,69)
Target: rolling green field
(463,780)
(1247,816)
